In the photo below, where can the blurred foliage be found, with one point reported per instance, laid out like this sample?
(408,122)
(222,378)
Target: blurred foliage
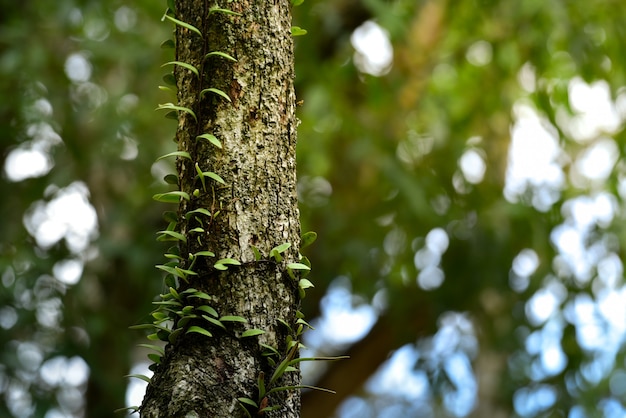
(463,268)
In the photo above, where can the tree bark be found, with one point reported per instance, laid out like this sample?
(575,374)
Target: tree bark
(256,206)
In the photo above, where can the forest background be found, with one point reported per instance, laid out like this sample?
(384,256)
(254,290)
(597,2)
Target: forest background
(461,162)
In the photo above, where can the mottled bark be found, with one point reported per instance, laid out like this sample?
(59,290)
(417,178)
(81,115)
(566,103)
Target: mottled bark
(201,376)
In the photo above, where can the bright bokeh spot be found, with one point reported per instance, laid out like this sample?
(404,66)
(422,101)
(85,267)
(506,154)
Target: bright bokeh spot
(473,166)
(23,163)
(342,320)
(595,111)
(534,160)
(68,215)
(78,68)
(373,50)
(479,53)
(596,161)
(32,157)
(68,271)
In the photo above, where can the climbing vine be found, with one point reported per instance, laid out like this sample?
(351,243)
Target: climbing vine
(182,309)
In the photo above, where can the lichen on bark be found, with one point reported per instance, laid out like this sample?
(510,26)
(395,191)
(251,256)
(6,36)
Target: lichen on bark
(257,205)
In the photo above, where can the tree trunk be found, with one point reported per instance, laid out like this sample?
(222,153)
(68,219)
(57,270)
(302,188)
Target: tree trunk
(255,207)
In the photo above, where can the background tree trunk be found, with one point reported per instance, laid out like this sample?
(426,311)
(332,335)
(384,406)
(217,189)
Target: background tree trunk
(257,206)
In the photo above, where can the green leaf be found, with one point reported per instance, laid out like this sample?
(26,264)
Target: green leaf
(261,385)
(167,89)
(207,309)
(211,138)
(248,401)
(162,328)
(280,370)
(281,388)
(214,321)
(176,235)
(172,106)
(139,376)
(156,348)
(276,251)
(291,342)
(224,262)
(163,336)
(171,270)
(171,197)
(282,247)
(244,403)
(216,91)
(220,54)
(298,266)
(131,409)
(183,154)
(184,65)
(159,316)
(174,293)
(142,326)
(282,321)
(155,358)
(298,31)
(201,295)
(306,262)
(307,239)
(271,349)
(203,211)
(296,2)
(216,9)
(197,229)
(214,177)
(174,335)
(245,409)
(233,318)
(201,175)
(257,253)
(170,216)
(177,272)
(172,115)
(184,25)
(168,43)
(199,330)
(305,284)
(186,272)
(172,5)
(167,302)
(303,322)
(252,332)
(204,254)
(169,79)
(171,179)
(182,322)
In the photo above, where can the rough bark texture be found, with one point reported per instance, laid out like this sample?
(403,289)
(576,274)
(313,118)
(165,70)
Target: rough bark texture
(201,376)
